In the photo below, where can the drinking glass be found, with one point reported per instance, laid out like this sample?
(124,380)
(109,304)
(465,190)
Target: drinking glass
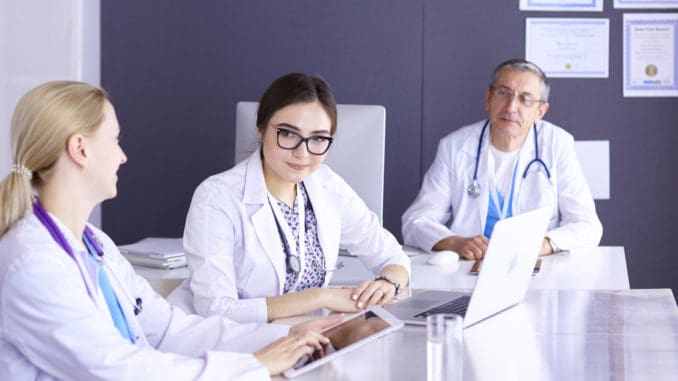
(444,347)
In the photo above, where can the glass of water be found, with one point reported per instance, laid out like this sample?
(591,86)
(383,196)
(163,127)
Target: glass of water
(444,347)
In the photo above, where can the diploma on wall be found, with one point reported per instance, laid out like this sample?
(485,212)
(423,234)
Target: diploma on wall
(654,4)
(562,5)
(568,47)
(650,55)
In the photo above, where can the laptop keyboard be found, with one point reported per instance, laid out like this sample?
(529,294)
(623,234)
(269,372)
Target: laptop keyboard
(457,306)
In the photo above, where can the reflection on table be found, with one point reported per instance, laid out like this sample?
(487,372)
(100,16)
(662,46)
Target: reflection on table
(551,335)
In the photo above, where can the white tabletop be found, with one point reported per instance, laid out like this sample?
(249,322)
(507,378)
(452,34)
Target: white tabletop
(551,335)
(601,268)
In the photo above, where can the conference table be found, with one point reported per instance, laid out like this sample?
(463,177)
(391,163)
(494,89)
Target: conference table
(551,335)
(600,268)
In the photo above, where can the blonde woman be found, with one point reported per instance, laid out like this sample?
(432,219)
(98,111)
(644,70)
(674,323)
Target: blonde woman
(71,307)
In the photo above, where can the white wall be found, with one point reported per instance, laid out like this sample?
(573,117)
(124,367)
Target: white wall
(43,40)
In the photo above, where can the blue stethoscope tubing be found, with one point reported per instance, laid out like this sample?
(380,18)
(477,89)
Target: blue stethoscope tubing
(474,188)
(91,240)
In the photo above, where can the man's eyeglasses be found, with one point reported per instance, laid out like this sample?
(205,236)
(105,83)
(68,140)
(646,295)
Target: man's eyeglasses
(504,94)
(289,140)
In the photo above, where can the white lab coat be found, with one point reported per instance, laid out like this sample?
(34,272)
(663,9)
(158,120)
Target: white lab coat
(444,207)
(233,246)
(51,329)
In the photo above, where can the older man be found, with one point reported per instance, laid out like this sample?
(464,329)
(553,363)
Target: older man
(510,163)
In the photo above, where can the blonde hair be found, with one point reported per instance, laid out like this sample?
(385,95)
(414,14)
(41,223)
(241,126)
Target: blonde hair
(43,120)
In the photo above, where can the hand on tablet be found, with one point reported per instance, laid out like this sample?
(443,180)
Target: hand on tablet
(283,353)
(303,339)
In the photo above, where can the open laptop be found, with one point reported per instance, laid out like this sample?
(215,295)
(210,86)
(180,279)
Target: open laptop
(503,280)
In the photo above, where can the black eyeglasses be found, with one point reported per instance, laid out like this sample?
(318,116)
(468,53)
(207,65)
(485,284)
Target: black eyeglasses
(289,140)
(504,94)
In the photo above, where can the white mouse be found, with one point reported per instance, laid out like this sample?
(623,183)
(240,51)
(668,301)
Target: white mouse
(442,258)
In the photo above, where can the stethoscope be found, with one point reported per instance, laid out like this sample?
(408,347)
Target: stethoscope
(292,261)
(474,188)
(93,244)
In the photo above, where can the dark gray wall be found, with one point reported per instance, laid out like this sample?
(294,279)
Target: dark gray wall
(175,70)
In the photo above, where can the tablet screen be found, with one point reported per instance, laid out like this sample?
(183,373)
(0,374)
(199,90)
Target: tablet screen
(345,334)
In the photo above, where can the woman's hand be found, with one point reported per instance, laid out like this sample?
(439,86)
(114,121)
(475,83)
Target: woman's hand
(371,292)
(283,353)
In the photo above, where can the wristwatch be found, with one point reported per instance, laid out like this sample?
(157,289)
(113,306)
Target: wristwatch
(391,281)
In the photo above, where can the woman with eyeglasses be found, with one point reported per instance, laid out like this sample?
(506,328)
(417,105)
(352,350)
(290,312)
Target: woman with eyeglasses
(262,238)
(71,307)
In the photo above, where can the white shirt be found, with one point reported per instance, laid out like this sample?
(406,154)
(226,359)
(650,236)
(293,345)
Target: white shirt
(51,329)
(444,208)
(233,247)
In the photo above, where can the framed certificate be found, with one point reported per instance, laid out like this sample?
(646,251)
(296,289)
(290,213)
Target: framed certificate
(655,4)
(562,5)
(650,48)
(569,48)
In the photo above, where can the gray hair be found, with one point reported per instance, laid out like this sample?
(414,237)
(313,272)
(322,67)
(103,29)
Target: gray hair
(523,66)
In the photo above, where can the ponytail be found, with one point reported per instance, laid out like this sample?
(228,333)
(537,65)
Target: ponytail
(15,199)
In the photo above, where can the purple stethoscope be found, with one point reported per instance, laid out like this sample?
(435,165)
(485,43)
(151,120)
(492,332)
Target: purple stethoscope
(474,188)
(93,244)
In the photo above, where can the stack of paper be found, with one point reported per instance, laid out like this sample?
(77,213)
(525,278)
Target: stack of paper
(163,253)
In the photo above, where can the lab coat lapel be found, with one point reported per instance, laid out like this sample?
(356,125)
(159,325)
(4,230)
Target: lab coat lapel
(85,262)
(261,216)
(527,153)
(325,206)
(470,149)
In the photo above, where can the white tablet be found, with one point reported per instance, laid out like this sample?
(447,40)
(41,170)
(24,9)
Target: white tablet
(351,333)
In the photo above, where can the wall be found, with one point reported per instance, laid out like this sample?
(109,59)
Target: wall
(59,39)
(176,70)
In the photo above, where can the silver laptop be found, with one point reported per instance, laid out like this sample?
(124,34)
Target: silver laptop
(503,279)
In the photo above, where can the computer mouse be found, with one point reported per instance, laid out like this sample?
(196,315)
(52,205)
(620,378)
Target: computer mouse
(442,258)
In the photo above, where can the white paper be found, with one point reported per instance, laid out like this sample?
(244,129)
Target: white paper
(569,48)
(562,5)
(594,156)
(655,4)
(650,47)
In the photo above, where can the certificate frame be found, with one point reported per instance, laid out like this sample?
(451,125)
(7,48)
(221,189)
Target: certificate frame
(645,4)
(561,5)
(643,77)
(569,47)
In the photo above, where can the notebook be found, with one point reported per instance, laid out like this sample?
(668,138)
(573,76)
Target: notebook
(502,282)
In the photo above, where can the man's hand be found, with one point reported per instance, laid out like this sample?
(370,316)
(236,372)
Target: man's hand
(472,248)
